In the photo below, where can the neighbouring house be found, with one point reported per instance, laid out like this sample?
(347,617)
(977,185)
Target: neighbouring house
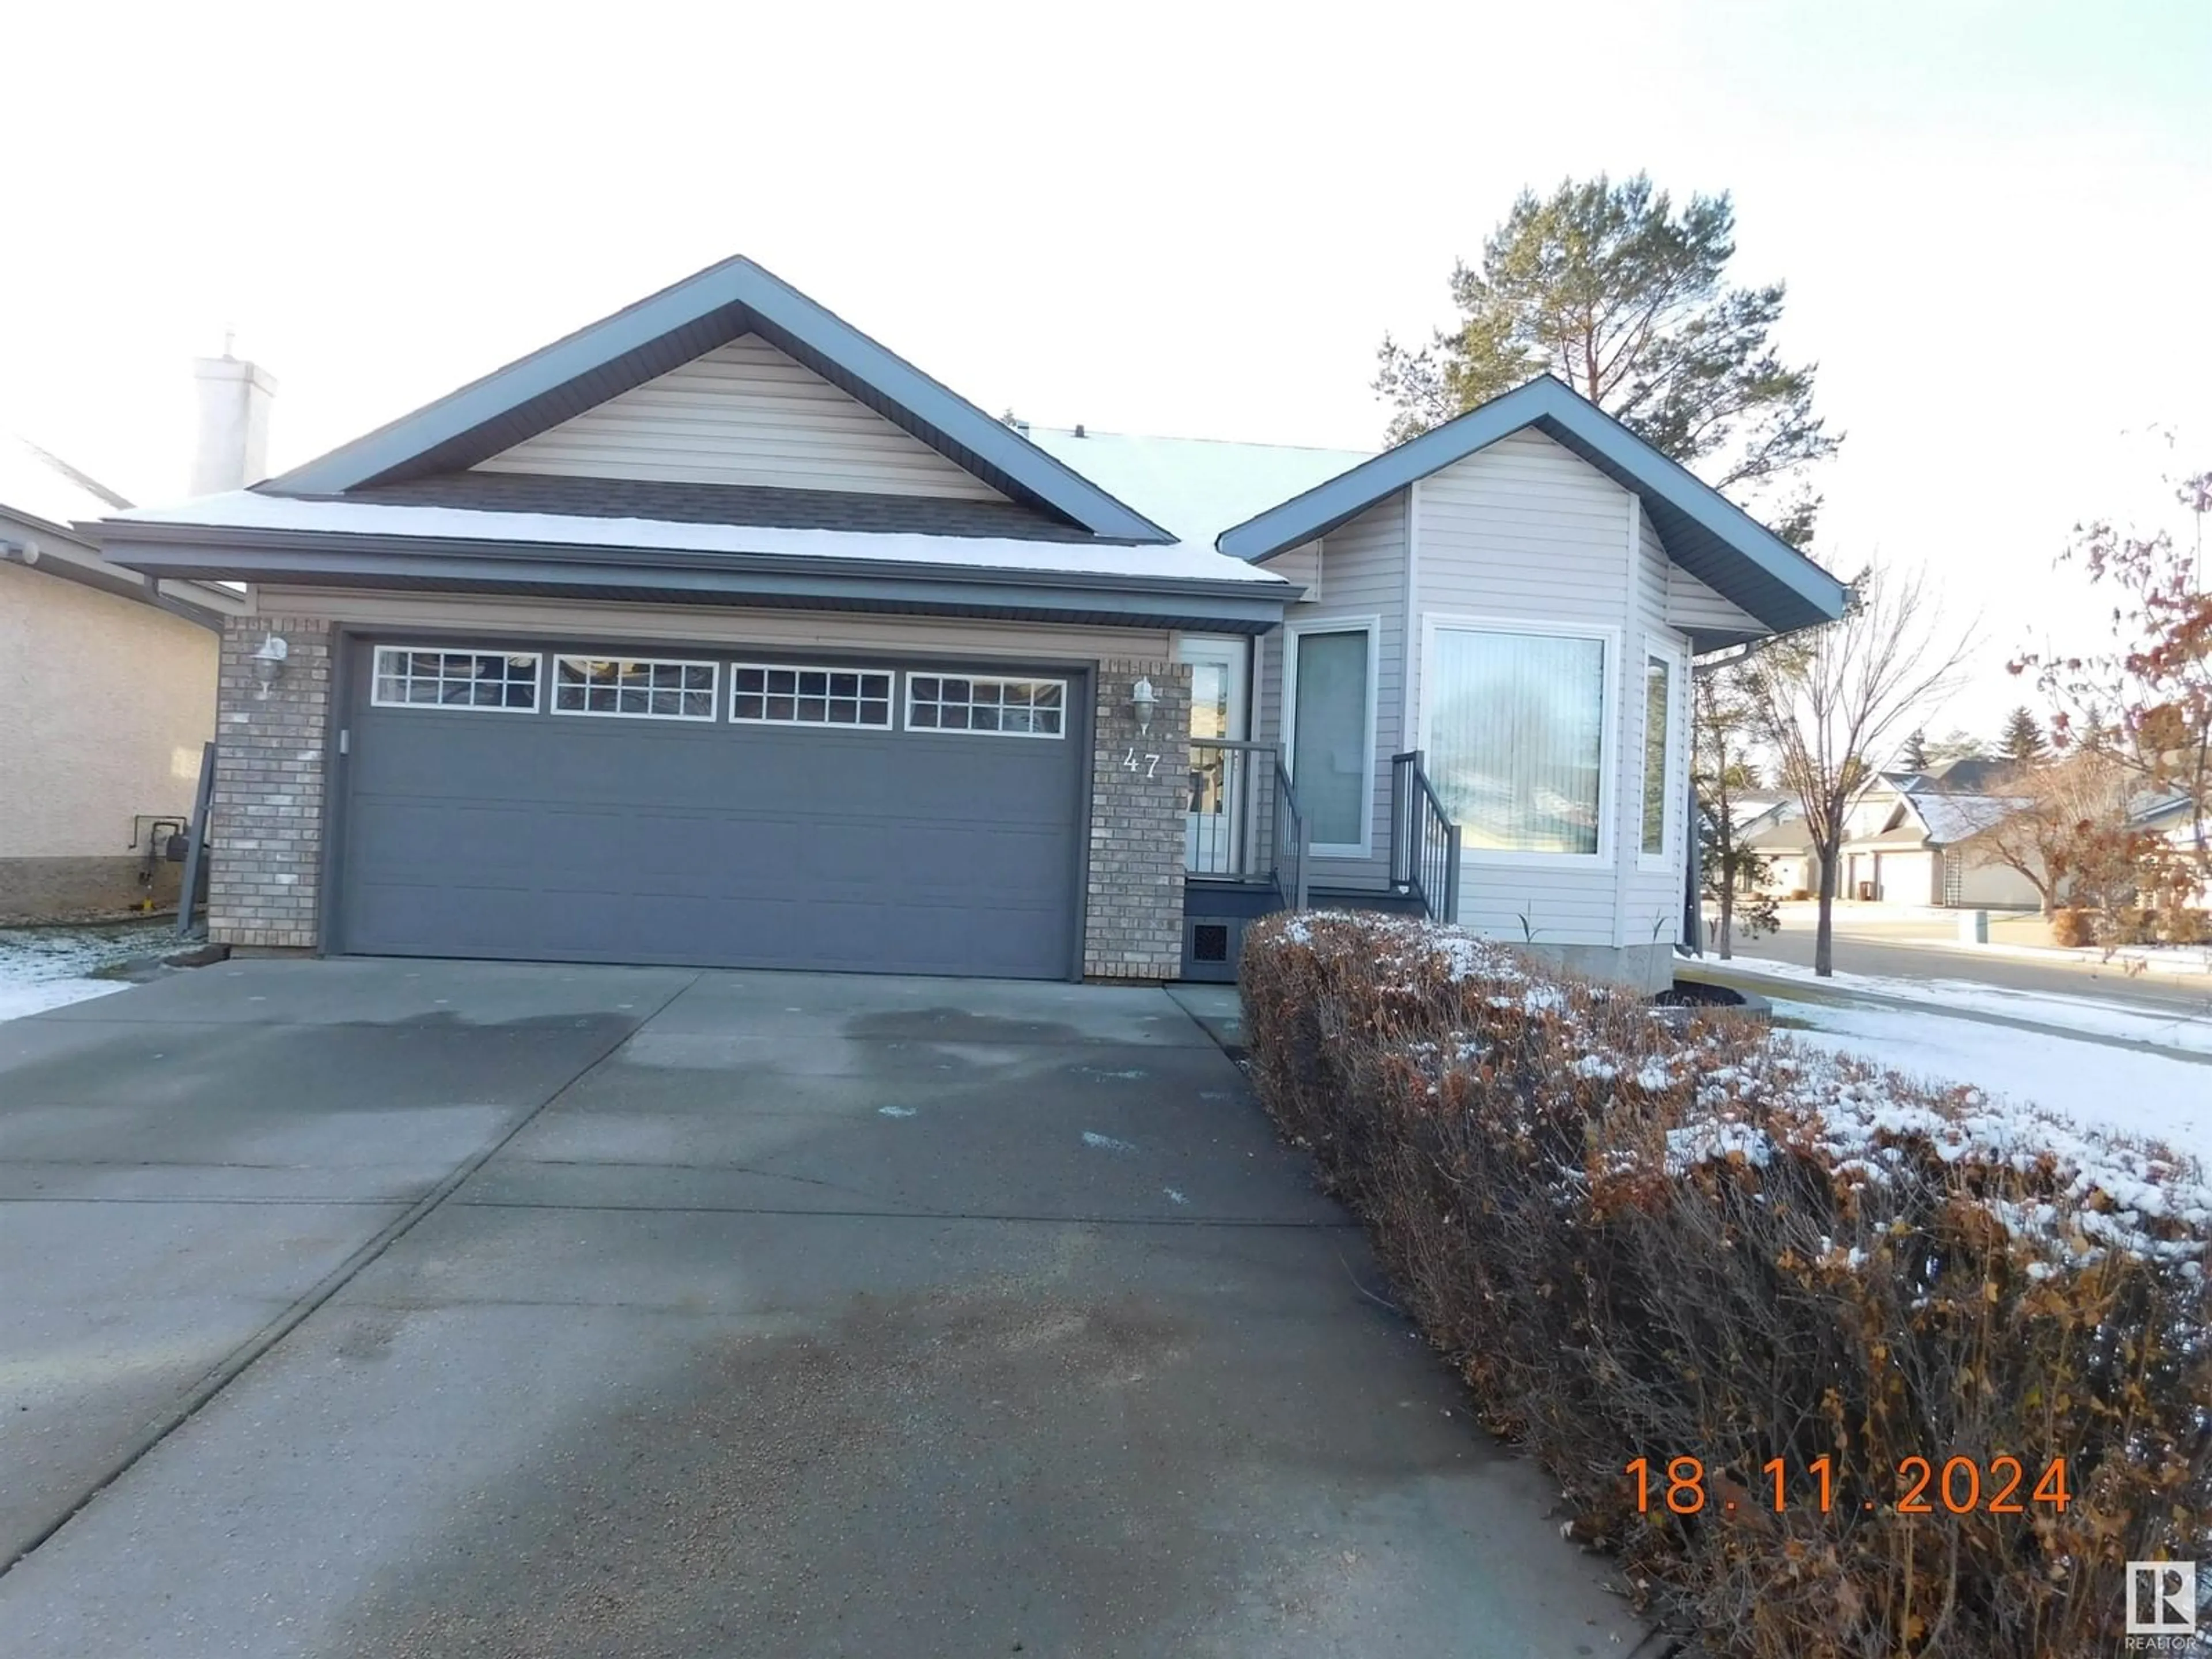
(1760,824)
(716,634)
(2172,817)
(108,676)
(1915,838)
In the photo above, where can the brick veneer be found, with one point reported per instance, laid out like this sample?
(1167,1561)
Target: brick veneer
(1133,927)
(268,817)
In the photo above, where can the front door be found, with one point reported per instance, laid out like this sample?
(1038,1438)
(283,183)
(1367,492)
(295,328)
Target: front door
(1215,841)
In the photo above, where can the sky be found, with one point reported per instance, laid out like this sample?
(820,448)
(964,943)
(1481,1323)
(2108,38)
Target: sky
(1193,219)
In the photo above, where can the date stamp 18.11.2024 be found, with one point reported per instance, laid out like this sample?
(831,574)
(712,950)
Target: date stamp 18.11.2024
(2001,1485)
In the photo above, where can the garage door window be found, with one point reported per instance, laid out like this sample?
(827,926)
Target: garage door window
(762,694)
(407,676)
(1019,708)
(632,687)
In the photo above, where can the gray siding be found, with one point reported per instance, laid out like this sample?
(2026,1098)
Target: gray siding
(1362,572)
(743,413)
(1300,564)
(1651,911)
(1693,605)
(1526,530)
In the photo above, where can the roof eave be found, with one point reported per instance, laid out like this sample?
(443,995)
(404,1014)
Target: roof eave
(354,560)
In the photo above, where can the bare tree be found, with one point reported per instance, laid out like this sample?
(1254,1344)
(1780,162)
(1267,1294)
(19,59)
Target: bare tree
(2066,821)
(1724,727)
(1829,699)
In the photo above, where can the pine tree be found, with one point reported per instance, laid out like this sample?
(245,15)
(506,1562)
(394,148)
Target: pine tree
(1625,297)
(2023,741)
(1914,756)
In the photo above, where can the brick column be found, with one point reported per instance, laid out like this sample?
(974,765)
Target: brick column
(268,811)
(1133,927)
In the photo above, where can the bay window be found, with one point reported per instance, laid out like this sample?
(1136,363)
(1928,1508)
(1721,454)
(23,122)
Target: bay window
(1658,729)
(1514,721)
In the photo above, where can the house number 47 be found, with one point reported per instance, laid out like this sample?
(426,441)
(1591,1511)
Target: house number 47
(1151,763)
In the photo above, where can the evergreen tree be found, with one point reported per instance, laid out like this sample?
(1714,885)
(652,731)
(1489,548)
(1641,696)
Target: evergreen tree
(1915,757)
(2023,741)
(1611,288)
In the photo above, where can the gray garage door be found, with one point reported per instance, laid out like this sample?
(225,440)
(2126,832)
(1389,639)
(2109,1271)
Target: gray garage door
(573,805)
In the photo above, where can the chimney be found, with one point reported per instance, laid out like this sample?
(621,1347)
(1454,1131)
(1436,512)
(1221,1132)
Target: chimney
(233,449)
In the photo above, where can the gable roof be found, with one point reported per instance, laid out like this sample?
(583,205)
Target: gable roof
(1950,818)
(657,334)
(1706,533)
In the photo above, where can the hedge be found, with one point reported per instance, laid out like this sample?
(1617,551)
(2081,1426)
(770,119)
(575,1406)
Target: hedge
(1670,1233)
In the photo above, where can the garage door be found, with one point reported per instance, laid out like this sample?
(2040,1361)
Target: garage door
(566,804)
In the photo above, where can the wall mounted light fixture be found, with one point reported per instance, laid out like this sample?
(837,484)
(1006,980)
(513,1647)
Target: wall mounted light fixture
(268,662)
(1142,698)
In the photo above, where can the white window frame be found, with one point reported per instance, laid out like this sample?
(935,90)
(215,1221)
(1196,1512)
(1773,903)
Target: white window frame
(913,674)
(1608,761)
(377,676)
(1292,633)
(889,699)
(713,685)
(1676,785)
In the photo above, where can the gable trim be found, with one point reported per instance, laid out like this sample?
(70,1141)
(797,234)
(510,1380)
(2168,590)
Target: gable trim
(1702,530)
(659,333)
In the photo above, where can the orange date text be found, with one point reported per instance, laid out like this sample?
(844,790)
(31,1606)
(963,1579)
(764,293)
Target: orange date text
(1957,1486)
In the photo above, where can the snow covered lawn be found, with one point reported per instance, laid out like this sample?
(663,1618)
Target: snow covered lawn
(43,968)
(2092,1083)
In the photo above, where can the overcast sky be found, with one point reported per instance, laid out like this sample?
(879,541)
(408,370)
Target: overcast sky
(1183,219)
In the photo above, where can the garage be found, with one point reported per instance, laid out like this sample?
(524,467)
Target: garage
(577,803)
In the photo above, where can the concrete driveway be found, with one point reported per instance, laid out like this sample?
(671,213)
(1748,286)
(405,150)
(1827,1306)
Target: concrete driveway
(401,1308)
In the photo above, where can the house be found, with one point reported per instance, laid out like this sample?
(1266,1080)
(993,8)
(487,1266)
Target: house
(109,680)
(715,633)
(1915,838)
(1771,822)
(2171,816)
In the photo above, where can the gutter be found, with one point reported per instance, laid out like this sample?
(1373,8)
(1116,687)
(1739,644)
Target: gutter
(103,576)
(163,548)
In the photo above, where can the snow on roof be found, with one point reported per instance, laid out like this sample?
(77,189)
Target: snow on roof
(38,484)
(246,509)
(1956,817)
(1195,487)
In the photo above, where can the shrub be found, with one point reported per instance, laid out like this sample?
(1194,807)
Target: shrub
(2071,928)
(1639,1237)
(2182,924)
(1799,895)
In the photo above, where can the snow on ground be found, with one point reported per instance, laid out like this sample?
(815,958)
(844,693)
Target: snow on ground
(43,968)
(2169,1099)
(2093,1015)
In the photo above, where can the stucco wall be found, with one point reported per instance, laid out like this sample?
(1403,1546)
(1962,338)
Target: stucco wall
(108,702)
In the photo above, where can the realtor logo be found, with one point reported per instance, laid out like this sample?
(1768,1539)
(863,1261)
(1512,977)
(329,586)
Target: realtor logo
(2161,1598)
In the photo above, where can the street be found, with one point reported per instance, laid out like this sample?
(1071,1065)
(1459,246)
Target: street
(1930,951)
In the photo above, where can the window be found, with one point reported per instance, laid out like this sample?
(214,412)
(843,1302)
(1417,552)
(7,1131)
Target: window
(1516,727)
(1333,736)
(763,695)
(407,676)
(639,688)
(1019,708)
(1658,710)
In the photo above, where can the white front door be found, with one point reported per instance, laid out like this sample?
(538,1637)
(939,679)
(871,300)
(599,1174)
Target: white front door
(1221,781)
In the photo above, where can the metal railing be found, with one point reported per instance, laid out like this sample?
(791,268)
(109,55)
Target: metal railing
(1223,838)
(1289,840)
(1424,841)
